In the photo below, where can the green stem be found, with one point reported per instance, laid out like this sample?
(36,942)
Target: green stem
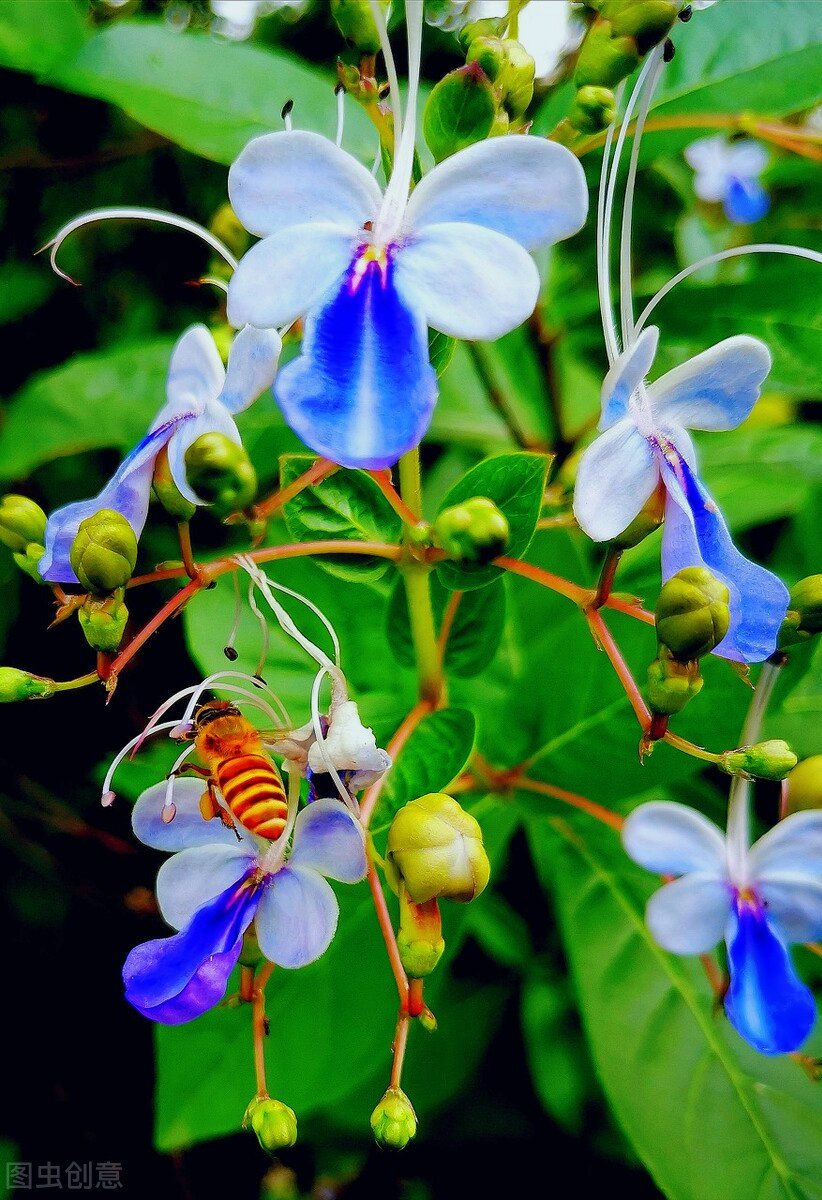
(415,575)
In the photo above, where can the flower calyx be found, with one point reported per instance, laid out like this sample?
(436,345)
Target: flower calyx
(103,620)
(393,1121)
(274,1123)
(475,531)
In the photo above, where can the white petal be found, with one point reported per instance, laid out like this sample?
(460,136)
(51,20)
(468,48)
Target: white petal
(711,185)
(297,917)
(187,828)
(283,276)
(213,419)
(195,374)
(328,839)
(615,476)
(715,390)
(190,878)
(252,366)
(794,903)
(469,282)
(688,916)
(747,159)
(794,844)
(672,839)
(288,178)
(626,375)
(527,188)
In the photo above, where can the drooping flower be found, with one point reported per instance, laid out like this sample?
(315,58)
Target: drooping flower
(370,272)
(202,397)
(215,887)
(644,441)
(729,172)
(760,898)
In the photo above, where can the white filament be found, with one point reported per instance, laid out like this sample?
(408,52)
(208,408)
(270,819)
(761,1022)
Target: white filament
(345,795)
(118,758)
(395,199)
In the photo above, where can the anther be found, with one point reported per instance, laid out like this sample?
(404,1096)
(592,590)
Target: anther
(230,653)
(686,13)
(668,51)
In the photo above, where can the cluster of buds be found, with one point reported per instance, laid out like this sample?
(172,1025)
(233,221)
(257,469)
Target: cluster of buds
(474,532)
(489,96)
(103,557)
(23,529)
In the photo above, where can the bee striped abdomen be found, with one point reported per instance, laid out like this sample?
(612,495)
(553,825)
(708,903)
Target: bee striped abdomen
(254,792)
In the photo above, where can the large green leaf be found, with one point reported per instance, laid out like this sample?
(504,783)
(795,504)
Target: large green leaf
(476,628)
(209,95)
(710,1118)
(433,757)
(34,34)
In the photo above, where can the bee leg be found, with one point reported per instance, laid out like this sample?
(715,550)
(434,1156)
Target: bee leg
(209,804)
(192,769)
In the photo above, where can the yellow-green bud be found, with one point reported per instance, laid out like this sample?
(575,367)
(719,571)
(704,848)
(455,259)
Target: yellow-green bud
(605,60)
(355,22)
(474,531)
(765,760)
(22,685)
(436,849)
(647,22)
(804,617)
(29,560)
(103,621)
(460,111)
(104,552)
(21,522)
(671,684)
(805,785)
(226,226)
(274,1123)
(692,613)
(487,27)
(488,53)
(167,492)
(221,474)
(516,78)
(593,109)
(393,1121)
(419,938)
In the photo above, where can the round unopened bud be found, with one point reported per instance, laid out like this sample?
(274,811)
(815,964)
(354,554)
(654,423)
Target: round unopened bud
(489,54)
(104,552)
(485,27)
(460,111)
(419,938)
(220,472)
(692,613)
(167,492)
(593,109)
(22,685)
(29,560)
(393,1121)
(647,22)
(671,684)
(103,621)
(765,760)
(804,618)
(516,78)
(356,23)
(436,849)
(474,531)
(21,522)
(605,60)
(805,785)
(274,1123)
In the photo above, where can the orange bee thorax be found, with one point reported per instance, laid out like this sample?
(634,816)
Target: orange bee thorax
(249,781)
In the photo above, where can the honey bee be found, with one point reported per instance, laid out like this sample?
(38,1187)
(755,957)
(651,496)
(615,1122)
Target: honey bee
(235,761)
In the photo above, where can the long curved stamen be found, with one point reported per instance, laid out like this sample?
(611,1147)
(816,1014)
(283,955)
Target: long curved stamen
(396,193)
(626,304)
(340,94)
(133,214)
(734,252)
(194,690)
(265,632)
(319,737)
(229,649)
(738,829)
(287,624)
(390,68)
(254,697)
(118,758)
(603,249)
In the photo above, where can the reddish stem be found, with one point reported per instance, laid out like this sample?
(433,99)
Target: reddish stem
(447,624)
(383,482)
(315,474)
(597,811)
(602,635)
(387,930)
(398,1047)
(407,727)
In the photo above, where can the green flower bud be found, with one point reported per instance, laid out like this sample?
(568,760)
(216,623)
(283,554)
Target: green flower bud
(436,849)
(487,27)
(804,617)
(460,111)
(594,109)
(605,60)
(21,521)
(805,785)
(220,472)
(393,1121)
(29,560)
(104,552)
(489,54)
(671,684)
(516,78)
(167,492)
(419,938)
(692,614)
(474,531)
(355,22)
(22,685)
(103,621)
(274,1123)
(647,22)
(765,760)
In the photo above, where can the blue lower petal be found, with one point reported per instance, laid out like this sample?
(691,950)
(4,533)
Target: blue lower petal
(694,535)
(767,1003)
(363,391)
(745,201)
(184,975)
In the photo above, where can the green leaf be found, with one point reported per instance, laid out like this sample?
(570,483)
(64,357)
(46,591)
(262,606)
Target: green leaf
(23,288)
(348,505)
(430,760)
(516,484)
(554,1047)
(476,629)
(33,36)
(500,930)
(709,1117)
(209,95)
(464,413)
(95,400)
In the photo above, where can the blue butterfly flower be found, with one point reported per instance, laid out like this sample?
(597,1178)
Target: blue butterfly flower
(729,172)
